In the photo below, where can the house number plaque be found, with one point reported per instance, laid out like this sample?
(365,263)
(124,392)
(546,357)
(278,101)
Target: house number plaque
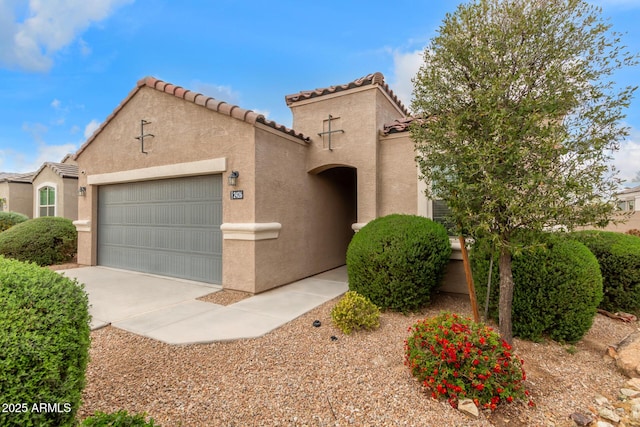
(237,195)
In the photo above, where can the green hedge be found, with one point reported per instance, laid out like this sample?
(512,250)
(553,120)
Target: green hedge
(557,287)
(619,258)
(44,345)
(9,219)
(45,241)
(397,261)
(118,419)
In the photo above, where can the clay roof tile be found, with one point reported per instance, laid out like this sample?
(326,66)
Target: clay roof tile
(370,79)
(198,99)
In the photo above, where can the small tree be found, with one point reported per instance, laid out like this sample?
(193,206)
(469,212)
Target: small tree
(518,119)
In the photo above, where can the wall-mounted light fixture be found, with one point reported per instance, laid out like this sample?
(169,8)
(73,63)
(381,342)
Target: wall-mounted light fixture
(82,191)
(233,178)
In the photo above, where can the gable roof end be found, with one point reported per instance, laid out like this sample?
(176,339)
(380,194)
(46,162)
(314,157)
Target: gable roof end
(64,170)
(370,79)
(221,107)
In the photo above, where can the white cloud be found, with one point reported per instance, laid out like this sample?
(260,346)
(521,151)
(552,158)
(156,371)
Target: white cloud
(406,66)
(55,104)
(51,153)
(13,161)
(219,92)
(85,49)
(49,26)
(265,113)
(91,128)
(627,160)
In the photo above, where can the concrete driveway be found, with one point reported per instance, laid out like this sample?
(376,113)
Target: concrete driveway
(166,309)
(116,295)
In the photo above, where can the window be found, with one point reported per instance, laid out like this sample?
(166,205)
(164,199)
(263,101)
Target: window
(441,215)
(47,201)
(631,205)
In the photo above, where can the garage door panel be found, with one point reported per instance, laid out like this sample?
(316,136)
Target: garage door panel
(168,227)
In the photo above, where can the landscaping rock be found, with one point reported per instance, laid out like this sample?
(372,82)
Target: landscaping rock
(609,414)
(631,393)
(581,419)
(628,359)
(468,407)
(633,383)
(601,400)
(604,424)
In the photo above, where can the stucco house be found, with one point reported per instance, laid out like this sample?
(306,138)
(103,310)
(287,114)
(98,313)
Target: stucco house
(52,190)
(16,193)
(55,189)
(180,184)
(629,205)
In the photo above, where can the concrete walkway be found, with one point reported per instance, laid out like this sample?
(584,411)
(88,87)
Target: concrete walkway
(166,309)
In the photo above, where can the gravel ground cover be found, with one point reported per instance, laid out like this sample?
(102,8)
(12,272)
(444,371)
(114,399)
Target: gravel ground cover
(298,376)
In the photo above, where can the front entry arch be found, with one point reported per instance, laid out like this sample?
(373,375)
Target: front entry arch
(341,208)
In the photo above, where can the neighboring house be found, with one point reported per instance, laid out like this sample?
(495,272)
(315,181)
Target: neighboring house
(55,189)
(180,184)
(16,194)
(629,204)
(629,199)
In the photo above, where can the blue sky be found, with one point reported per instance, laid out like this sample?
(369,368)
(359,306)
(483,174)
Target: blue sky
(66,64)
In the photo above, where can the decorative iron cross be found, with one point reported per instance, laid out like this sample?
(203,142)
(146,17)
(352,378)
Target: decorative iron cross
(329,131)
(143,135)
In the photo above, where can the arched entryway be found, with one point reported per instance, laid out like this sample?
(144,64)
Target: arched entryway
(341,208)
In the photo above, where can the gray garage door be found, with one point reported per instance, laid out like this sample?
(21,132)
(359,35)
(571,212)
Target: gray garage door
(169,227)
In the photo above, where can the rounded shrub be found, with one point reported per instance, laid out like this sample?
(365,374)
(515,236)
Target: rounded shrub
(456,359)
(557,287)
(118,419)
(44,337)
(397,261)
(619,258)
(9,219)
(354,312)
(45,241)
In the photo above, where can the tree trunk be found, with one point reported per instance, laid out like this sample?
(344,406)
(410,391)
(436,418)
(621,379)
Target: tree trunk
(506,294)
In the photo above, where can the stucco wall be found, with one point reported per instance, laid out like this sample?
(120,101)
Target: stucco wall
(359,112)
(66,193)
(316,212)
(632,222)
(398,175)
(18,196)
(183,133)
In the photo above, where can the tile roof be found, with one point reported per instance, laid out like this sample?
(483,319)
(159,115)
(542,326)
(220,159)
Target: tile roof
(398,125)
(370,79)
(221,107)
(630,189)
(17,177)
(65,170)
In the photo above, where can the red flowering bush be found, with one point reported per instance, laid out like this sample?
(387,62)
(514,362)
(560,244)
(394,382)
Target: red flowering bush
(457,359)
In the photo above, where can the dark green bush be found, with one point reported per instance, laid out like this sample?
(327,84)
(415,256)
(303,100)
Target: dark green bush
(397,261)
(44,345)
(9,219)
(619,258)
(45,241)
(118,419)
(557,287)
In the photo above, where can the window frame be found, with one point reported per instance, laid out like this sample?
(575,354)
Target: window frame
(50,198)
